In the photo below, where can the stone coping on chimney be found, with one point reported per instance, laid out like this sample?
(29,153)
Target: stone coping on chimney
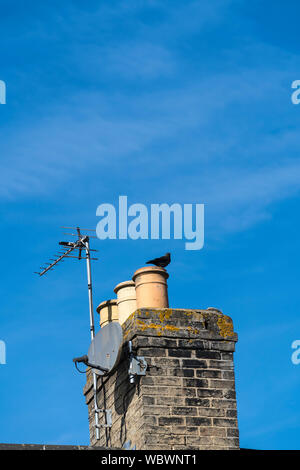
(175,322)
(210,327)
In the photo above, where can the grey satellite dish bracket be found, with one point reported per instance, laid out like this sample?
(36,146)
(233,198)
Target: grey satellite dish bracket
(85,360)
(137,365)
(108,418)
(108,412)
(103,356)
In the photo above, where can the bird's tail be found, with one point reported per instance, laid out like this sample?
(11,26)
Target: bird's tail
(150,262)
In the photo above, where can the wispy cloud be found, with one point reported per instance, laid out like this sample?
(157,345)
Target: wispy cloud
(233,161)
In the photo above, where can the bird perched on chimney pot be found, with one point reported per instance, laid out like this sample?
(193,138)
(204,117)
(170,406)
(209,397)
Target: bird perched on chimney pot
(162,262)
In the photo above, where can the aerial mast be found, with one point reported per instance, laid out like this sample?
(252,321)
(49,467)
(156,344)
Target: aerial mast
(82,243)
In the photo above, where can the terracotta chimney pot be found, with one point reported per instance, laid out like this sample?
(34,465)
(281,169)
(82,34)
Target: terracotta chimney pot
(151,287)
(126,301)
(108,311)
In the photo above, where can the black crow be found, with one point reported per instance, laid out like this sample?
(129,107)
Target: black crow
(162,262)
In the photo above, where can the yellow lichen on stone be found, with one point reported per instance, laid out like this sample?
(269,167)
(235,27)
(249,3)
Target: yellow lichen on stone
(126,334)
(142,325)
(159,328)
(188,312)
(225,326)
(194,331)
(165,314)
(171,328)
(131,316)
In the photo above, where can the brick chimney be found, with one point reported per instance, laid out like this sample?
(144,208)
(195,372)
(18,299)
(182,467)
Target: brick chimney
(186,399)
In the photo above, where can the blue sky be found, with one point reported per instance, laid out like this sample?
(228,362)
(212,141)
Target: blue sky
(162,101)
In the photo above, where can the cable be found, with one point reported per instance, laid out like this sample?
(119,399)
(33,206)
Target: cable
(82,371)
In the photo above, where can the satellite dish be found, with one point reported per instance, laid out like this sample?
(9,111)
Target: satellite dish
(105,349)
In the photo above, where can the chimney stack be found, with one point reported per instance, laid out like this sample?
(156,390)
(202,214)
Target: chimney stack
(186,397)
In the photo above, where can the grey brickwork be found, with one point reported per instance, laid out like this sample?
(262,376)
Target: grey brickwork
(187,398)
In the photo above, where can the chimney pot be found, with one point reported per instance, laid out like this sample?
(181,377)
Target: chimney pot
(151,287)
(126,301)
(108,311)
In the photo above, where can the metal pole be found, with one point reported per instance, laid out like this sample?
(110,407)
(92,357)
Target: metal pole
(89,277)
(92,329)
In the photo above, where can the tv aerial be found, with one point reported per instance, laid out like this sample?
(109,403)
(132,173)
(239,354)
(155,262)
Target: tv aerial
(106,346)
(82,244)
